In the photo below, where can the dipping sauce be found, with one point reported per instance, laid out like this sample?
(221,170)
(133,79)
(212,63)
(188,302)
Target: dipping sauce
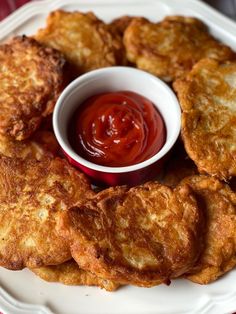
(117,129)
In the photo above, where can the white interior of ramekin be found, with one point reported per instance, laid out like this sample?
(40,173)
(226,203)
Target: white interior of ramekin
(117,79)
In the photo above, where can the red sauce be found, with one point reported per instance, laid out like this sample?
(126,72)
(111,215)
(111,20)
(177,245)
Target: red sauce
(118,129)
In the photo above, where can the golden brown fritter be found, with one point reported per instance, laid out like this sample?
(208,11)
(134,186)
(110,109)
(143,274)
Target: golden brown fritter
(120,24)
(84,40)
(31,79)
(143,236)
(70,274)
(178,166)
(219,204)
(32,194)
(170,48)
(42,144)
(116,29)
(207,97)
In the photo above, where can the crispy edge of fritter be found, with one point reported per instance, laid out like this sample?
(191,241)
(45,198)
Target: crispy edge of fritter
(206,269)
(22,126)
(69,273)
(13,256)
(90,256)
(114,53)
(42,144)
(168,67)
(119,24)
(189,119)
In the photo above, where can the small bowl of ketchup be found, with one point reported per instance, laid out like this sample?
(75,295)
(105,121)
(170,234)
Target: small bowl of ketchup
(117,124)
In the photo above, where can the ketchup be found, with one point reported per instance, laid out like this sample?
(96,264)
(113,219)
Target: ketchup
(117,129)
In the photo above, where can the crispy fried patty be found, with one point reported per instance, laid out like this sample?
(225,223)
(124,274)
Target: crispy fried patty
(32,194)
(31,79)
(207,98)
(143,236)
(170,48)
(42,144)
(219,204)
(69,273)
(84,40)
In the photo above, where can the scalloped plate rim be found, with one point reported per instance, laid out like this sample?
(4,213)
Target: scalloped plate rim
(8,25)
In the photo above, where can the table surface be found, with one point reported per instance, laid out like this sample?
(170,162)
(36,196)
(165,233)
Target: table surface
(226,6)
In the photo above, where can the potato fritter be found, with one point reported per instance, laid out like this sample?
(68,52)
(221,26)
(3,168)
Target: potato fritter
(32,194)
(31,79)
(207,97)
(143,236)
(120,24)
(69,273)
(83,39)
(170,48)
(219,204)
(43,144)
(178,167)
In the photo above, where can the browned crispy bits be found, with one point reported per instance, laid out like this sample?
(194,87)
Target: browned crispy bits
(32,194)
(69,273)
(31,79)
(143,236)
(85,41)
(207,98)
(170,48)
(219,253)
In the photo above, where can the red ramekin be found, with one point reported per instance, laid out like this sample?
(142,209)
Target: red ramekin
(110,80)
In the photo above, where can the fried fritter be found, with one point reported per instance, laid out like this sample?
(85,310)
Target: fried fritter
(43,144)
(32,194)
(84,40)
(207,97)
(219,204)
(178,167)
(31,79)
(70,274)
(170,48)
(120,24)
(143,236)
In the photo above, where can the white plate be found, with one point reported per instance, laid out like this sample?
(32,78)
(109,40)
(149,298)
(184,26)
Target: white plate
(182,297)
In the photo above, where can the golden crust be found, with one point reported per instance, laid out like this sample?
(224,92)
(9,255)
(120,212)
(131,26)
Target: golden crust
(83,39)
(178,167)
(143,236)
(31,79)
(207,98)
(170,48)
(120,24)
(32,194)
(70,274)
(219,204)
(43,144)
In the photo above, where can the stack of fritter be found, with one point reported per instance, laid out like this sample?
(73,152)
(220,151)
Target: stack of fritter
(35,184)
(51,219)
